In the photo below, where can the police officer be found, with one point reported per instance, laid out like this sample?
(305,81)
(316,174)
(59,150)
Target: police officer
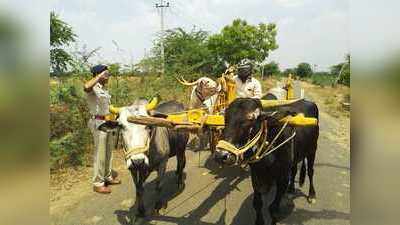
(98,100)
(246,85)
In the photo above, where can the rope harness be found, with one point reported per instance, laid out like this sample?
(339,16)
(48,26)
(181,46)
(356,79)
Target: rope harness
(259,141)
(137,150)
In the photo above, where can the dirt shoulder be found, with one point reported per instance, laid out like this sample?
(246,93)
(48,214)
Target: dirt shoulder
(330,101)
(68,186)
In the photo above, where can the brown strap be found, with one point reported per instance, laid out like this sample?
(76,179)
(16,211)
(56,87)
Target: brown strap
(100,117)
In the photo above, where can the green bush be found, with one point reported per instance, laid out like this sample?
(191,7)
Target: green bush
(69,114)
(322,79)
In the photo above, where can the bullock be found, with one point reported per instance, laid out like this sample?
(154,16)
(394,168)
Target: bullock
(204,92)
(245,118)
(302,152)
(148,149)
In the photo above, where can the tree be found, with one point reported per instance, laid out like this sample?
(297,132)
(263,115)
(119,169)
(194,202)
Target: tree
(342,71)
(114,69)
(304,70)
(335,69)
(80,60)
(345,78)
(271,68)
(241,40)
(61,35)
(185,52)
(148,65)
(288,71)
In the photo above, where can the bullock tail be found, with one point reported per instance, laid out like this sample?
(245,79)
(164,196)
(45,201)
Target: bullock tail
(302,173)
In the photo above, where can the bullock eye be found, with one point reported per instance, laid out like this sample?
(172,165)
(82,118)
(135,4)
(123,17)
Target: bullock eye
(250,118)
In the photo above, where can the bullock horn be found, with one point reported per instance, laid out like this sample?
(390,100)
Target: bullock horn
(275,103)
(114,110)
(152,104)
(186,83)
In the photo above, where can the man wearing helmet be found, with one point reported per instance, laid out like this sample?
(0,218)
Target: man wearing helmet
(246,85)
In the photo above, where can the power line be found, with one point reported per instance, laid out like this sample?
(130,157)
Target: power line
(161,6)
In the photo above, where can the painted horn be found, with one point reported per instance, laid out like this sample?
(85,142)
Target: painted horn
(152,104)
(114,110)
(275,103)
(186,83)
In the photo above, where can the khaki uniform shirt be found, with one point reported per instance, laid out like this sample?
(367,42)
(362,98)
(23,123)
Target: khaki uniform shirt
(249,89)
(98,101)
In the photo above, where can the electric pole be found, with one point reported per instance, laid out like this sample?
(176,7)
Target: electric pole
(162,6)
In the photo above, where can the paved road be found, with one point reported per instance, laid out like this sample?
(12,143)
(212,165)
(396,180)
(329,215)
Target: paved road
(223,196)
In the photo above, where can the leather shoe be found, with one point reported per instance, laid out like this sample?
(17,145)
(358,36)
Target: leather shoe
(114,181)
(102,189)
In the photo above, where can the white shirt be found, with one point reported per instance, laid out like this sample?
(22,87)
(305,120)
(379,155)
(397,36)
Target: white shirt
(249,89)
(98,100)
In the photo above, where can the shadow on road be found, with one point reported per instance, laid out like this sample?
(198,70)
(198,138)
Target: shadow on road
(332,166)
(228,179)
(169,192)
(300,216)
(288,216)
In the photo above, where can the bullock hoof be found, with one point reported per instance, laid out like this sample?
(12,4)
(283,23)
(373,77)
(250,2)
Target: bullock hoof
(181,186)
(311,200)
(156,212)
(160,211)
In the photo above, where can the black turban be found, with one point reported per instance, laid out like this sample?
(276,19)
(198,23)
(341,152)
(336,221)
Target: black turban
(98,69)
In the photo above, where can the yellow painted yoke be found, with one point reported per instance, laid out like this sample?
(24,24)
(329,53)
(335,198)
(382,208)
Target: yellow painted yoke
(198,116)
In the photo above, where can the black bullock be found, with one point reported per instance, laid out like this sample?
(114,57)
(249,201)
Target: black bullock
(244,119)
(305,145)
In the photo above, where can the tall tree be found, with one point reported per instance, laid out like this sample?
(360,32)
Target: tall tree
(271,68)
(241,40)
(288,71)
(342,71)
(61,36)
(185,51)
(304,70)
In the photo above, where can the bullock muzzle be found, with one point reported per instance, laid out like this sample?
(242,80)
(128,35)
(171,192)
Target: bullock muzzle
(137,161)
(224,157)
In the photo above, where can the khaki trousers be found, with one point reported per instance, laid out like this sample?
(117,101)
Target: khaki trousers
(103,146)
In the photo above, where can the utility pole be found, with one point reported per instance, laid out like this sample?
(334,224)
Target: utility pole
(162,6)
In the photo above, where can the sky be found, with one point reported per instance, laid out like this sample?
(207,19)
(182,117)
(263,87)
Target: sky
(312,31)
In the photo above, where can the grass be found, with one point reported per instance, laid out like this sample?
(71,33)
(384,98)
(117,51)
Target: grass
(322,79)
